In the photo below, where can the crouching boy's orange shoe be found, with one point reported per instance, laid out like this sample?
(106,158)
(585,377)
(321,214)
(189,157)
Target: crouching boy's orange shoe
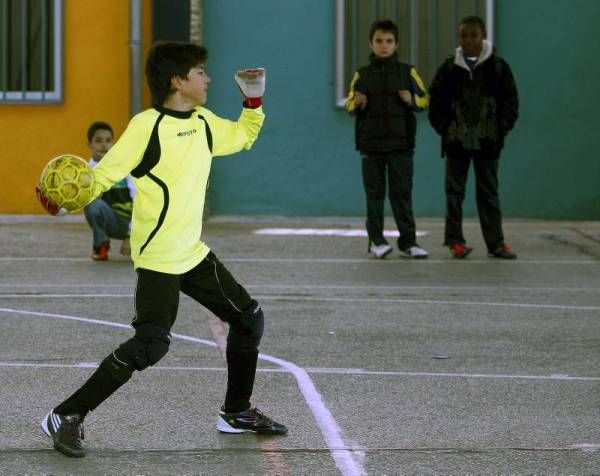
(101,252)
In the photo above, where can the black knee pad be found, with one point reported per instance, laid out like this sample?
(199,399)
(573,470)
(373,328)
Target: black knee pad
(245,333)
(149,344)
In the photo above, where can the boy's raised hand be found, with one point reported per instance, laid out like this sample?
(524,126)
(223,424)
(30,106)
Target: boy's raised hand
(252,84)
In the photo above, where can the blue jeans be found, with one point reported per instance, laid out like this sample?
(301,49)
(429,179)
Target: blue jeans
(105,223)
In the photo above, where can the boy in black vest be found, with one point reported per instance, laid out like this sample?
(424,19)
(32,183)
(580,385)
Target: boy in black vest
(384,96)
(474,103)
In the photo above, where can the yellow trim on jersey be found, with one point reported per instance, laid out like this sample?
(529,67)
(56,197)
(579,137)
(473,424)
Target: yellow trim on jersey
(350,106)
(420,94)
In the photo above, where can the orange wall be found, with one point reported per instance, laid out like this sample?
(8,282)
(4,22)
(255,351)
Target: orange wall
(96,87)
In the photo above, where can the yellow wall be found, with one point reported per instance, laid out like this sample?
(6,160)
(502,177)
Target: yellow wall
(96,87)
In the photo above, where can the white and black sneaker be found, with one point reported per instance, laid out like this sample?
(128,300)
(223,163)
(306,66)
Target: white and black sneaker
(249,421)
(66,431)
(414,252)
(380,251)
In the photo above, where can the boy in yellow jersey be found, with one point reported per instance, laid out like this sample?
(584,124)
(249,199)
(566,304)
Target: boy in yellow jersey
(168,150)
(384,96)
(109,215)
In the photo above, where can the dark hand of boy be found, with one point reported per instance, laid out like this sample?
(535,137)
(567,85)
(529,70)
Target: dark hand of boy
(360,100)
(51,207)
(252,84)
(406,96)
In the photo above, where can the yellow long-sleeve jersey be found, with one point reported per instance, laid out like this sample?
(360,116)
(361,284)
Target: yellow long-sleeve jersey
(169,154)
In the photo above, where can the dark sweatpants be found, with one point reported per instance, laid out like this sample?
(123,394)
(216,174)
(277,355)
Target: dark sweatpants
(156,304)
(399,167)
(486,193)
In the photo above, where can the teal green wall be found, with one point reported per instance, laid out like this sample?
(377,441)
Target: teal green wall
(552,167)
(304,162)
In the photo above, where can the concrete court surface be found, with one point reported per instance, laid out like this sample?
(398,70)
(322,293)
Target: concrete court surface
(440,366)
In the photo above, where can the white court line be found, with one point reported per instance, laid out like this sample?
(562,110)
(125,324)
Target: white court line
(347,460)
(428,301)
(316,261)
(454,261)
(334,371)
(560,377)
(325,286)
(327,232)
(330,299)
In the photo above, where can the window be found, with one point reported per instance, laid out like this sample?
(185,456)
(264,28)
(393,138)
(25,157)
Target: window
(427,33)
(30,51)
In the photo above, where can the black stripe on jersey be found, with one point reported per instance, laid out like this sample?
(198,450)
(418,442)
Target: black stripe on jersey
(151,154)
(208,133)
(163,212)
(117,195)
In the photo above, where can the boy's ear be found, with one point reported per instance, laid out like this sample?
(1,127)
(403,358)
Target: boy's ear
(176,82)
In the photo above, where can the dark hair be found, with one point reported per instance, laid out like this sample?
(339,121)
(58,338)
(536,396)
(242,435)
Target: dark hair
(98,126)
(167,59)
(473,20)
(383,25)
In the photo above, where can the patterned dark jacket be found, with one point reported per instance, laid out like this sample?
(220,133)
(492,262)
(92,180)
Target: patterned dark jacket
(473,110)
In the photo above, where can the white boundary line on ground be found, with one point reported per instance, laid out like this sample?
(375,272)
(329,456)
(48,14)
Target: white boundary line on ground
(428,301)
(334,371)
(340,260)
(328,299)
(348,461)
(393,260)
(347,232)
(128,284)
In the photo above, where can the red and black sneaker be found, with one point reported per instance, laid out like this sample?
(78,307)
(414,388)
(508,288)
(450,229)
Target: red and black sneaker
(100,253)
(503,252)
(249,421)
(66,431)
(460,251)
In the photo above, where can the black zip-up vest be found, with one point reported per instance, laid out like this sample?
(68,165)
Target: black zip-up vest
(387,123)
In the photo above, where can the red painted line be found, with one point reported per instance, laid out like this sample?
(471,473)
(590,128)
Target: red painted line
(273,456)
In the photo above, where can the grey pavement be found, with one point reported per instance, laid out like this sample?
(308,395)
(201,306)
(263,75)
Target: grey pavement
(439,366)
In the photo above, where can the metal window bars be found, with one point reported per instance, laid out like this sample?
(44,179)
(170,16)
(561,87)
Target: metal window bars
(427,33)
(31,56)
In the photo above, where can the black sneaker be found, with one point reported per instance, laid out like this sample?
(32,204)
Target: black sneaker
(249,421)
(67,433)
